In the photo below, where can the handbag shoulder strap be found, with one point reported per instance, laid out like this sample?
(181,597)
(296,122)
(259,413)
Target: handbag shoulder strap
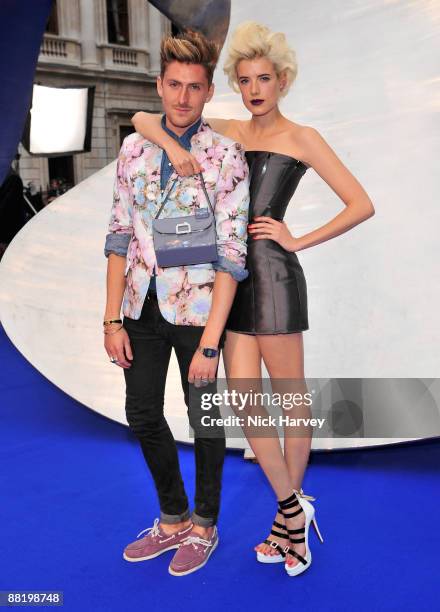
(206,193)
(166,198)
(171,188)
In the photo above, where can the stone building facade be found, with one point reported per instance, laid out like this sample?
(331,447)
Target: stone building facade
(113,45)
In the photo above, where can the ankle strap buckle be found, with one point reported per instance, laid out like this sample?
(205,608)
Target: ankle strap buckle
(273,544)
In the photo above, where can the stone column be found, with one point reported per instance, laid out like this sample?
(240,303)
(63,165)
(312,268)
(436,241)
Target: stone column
(69,19)
(100,21)
(156,24)
(89,51)
(138,18)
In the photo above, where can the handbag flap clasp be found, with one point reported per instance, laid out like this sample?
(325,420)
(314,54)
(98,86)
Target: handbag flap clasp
(169,225)
(183,228)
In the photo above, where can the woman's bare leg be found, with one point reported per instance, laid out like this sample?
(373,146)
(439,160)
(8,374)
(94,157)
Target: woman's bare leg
(283,356)
(242,358)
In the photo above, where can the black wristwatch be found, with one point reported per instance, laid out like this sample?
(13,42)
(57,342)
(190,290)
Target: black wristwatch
(208,352)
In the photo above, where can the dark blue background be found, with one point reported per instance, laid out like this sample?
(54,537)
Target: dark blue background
(22,24)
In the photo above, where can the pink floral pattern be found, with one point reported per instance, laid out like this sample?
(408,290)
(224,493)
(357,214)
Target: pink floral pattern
(184,292)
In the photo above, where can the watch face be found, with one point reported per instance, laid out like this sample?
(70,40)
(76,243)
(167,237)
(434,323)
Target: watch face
(208,352)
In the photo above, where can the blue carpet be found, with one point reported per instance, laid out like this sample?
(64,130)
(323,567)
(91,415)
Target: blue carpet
(75,490)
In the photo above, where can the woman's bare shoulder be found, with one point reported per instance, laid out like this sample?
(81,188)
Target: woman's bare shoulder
(218,125)
(231,128)
(297,131)
(302,138)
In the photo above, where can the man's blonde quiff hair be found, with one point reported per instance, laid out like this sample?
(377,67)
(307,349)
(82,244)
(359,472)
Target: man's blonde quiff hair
(252,40)
(189,47)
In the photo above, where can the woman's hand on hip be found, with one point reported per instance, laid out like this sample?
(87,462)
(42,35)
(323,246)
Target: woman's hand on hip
(266,228)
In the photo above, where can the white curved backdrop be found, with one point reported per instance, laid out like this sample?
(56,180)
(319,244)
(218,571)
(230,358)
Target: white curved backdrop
(369,81)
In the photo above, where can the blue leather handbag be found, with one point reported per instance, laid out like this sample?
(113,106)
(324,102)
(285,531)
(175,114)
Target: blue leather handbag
(188,240)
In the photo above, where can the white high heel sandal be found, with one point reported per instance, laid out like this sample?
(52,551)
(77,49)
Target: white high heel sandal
(299,501)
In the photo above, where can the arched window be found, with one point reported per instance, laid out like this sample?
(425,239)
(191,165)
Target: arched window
(117,22)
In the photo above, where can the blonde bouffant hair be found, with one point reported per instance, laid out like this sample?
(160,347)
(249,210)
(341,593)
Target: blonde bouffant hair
(252,40)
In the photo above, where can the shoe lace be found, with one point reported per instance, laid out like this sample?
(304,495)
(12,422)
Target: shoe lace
(153,531)
(195,540)
(301,493)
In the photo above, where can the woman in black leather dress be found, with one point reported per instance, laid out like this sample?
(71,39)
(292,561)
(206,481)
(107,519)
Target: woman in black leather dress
(270,311)
(273,298)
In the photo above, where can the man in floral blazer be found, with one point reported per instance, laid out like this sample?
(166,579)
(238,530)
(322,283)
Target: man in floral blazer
(182,307)
(184,293)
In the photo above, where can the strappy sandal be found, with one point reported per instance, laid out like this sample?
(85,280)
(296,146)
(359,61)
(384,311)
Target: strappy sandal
(281,556)
(298,502)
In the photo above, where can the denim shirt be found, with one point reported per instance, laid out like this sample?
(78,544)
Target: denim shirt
(166,168)
(116,243)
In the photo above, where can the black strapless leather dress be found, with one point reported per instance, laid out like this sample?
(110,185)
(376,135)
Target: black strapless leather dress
(273,298)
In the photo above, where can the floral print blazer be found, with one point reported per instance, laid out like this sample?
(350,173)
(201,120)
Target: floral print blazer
(185,292)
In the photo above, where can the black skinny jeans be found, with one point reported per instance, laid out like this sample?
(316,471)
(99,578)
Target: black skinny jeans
(152,338)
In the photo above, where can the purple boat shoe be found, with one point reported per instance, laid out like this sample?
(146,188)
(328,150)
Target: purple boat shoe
(154,543)
(193,554)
